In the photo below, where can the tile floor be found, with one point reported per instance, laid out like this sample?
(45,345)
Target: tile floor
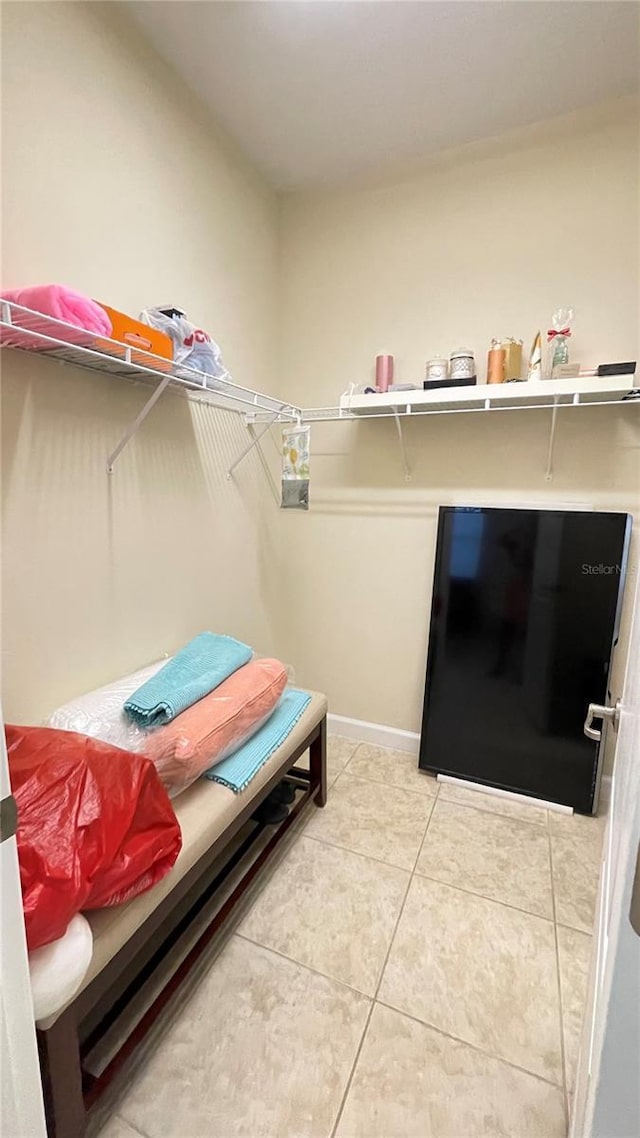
(414,967)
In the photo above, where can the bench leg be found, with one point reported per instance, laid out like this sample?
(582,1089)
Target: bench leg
(62,1078)
(318,764)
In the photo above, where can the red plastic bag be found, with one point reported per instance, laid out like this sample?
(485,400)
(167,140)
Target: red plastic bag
(95,826)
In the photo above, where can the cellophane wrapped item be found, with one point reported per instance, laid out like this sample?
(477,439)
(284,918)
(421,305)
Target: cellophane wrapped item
(558,335)
(100,713)
(216,725)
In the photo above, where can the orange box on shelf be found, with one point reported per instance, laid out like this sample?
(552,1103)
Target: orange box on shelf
(138,336)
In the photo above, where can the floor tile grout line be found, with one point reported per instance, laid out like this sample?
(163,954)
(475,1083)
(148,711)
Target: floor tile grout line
(388,785)
(482,896)
(497,813)
(352,1072)
(367,857)
(393,936)
(424,836)
(575,929)
(121,1118)
(380,979)
(416,873)
(356,853)
(302,964)
(559,985)
(349,849)
(469,805)
(454,801)
(472,1046)
(393,785)
(373,1002)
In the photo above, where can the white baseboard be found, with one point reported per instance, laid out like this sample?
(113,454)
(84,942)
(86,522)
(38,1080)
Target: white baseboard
(375,733)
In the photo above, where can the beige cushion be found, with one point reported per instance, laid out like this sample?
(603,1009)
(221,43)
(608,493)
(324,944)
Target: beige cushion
(204,811)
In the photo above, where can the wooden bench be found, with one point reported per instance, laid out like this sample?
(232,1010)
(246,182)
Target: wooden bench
(133,941)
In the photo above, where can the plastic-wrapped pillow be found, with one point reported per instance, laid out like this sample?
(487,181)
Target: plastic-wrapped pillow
(217,725)
(100,713)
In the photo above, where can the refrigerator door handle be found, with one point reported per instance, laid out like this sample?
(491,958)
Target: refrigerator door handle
(599,711)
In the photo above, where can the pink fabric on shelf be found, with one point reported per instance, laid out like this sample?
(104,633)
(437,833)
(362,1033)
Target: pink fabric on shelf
(58,303)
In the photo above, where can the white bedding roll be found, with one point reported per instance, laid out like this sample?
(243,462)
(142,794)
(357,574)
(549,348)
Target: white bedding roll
(58,969)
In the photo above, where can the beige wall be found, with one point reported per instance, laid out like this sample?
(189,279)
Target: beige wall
(116,183)
(485,242)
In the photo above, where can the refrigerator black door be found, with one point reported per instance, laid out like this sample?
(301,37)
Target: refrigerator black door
(523,618)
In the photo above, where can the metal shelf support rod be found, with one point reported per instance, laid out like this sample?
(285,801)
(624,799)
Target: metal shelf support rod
(256,439)
(137,422)
(405,462)
(548,474)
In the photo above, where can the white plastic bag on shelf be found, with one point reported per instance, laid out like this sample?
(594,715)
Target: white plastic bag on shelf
(192,346)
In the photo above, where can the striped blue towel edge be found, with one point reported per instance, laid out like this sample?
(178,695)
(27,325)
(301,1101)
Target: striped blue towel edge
(237,771)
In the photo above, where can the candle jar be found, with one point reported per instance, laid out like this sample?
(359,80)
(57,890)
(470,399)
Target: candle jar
(462,364)
(437,369)
(495,362)
(512,359)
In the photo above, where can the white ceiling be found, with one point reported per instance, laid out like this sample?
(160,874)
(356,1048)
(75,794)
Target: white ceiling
(321,92)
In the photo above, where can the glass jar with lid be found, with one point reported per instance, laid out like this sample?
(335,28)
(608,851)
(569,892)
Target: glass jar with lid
(462,364)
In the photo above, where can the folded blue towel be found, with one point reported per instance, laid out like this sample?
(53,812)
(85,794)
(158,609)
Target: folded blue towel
(239,768)
(193,672)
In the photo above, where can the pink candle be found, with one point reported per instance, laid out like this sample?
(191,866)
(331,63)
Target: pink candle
(384,372)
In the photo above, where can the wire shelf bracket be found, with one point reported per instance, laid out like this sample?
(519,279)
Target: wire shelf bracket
(548,474)
(405,460)
(137,422)
(254,443)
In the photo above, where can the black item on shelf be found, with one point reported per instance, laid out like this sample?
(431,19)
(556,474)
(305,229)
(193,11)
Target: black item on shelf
(524,618)
(431,384)
(272,811)
(285,792)
(627,368)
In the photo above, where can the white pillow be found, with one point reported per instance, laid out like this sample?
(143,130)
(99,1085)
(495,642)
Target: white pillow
(99,713)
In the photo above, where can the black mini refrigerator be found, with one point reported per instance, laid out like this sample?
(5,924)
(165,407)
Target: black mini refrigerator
(524,618)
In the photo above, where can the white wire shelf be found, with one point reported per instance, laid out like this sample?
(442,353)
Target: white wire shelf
(493,396)
(25,330)
(548,393)
(551,394)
